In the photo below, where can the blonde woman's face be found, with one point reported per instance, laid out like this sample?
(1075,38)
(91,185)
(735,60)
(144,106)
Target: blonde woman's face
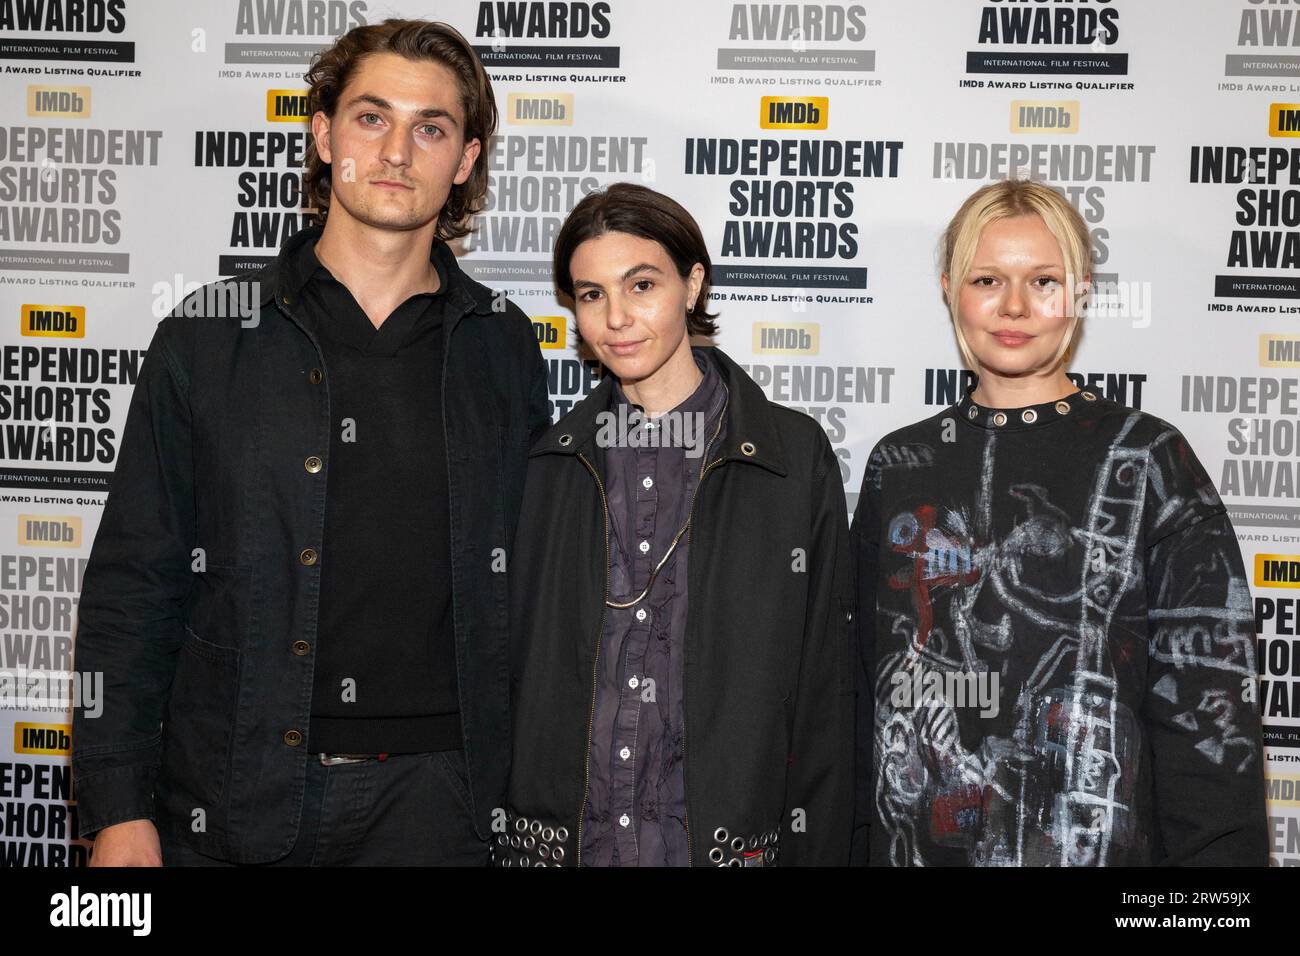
(1013,306)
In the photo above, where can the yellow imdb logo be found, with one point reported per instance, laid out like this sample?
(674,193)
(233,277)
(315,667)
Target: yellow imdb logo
(49,531)
(539,109)
(552,331)
(1279,351)
(1284,119)
(1277,570)
(1045,116)
(53,321)
(65,102)
(786,338)
(286,106)
(794,112)
(1283,791)
(52,740)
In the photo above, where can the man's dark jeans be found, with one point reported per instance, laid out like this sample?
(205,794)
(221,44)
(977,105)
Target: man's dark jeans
(405,810)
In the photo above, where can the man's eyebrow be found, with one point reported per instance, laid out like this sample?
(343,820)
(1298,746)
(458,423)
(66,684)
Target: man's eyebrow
(429,112)
(642,267)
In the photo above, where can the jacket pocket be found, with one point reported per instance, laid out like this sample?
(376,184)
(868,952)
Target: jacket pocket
(199,722)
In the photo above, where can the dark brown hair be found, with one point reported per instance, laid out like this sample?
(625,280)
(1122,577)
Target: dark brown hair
(416,40)
(639,211)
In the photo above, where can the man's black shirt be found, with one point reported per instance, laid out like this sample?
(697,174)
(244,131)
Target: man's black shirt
(385,678)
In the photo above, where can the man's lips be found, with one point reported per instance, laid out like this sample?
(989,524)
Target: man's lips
(389,184)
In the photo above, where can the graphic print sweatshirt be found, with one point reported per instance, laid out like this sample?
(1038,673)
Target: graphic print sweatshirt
(1060,669)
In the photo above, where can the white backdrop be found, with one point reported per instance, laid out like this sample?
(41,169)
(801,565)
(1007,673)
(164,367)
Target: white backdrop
(146,145)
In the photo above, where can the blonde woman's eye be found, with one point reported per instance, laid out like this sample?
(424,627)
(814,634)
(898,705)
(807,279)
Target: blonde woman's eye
(982,279)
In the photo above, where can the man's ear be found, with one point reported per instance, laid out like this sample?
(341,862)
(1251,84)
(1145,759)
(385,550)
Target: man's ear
(320,131)
(467,160)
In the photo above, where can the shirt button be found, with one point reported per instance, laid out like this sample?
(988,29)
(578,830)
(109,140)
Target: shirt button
(633,683)
(625,753)
(640,614)
(315,376)
(301,648)
(292,737)
(312,464)
(647,482)
(308,556)
(644,546)
(624,820)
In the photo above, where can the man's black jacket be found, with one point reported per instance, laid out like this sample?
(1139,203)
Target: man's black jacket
(769,648)
(199,603)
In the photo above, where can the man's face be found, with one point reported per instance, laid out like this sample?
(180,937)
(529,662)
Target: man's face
(395,143)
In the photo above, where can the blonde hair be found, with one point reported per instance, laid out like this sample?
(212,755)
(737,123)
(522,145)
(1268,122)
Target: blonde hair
(1003,200)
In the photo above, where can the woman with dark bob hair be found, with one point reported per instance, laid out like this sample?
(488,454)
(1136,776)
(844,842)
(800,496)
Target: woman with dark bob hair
(1055,617)
(682,596)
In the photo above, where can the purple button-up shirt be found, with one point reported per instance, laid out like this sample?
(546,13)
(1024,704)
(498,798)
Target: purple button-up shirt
(636,806)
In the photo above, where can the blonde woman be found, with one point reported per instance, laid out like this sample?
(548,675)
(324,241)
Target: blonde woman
(1059,669)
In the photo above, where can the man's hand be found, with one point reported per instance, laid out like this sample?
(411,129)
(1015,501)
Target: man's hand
(134,843)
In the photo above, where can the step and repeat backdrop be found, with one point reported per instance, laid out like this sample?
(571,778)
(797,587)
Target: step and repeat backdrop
(147,147)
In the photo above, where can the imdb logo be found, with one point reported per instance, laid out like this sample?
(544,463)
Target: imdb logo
(1279,351)
(794,112)
(552,331)
(1054,117)
(50,740)
(1277,570)
(49,531)
(286,106)
(786,338)
(539,109)
(65,102)
(1284,791)
(1284,119)
(53,321)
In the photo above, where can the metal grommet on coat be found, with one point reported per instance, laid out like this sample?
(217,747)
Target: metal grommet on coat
(543,851)
(747,448)
(733,862)
(548,834)
(529,843)
(558,853)
(716,854)
(1000,418)
(1088,396)
(720,834)
(562,834)
(521,824)
(536,827)
(1063,407)
(315,376)
(1029,416)
(566,440)
(738,844)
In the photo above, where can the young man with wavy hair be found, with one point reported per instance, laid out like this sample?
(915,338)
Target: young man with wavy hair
(298,593)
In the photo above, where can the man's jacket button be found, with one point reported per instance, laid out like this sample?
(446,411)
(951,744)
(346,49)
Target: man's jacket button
(308,556)
(315,375)
(312,464)
(292,737)
(301,648)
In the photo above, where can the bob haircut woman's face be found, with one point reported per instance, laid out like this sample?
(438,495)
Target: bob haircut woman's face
(630,302)
(1014,305)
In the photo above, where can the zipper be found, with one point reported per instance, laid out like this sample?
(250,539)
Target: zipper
(686,811)
(595,664)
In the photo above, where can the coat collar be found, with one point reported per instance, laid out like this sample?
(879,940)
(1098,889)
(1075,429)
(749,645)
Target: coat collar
(464,295)
(752,435)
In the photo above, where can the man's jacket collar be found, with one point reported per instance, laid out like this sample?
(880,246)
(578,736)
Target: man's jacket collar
(752,435)
(463,295)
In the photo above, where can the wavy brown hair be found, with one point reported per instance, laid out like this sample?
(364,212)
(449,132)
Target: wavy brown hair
(416,40)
